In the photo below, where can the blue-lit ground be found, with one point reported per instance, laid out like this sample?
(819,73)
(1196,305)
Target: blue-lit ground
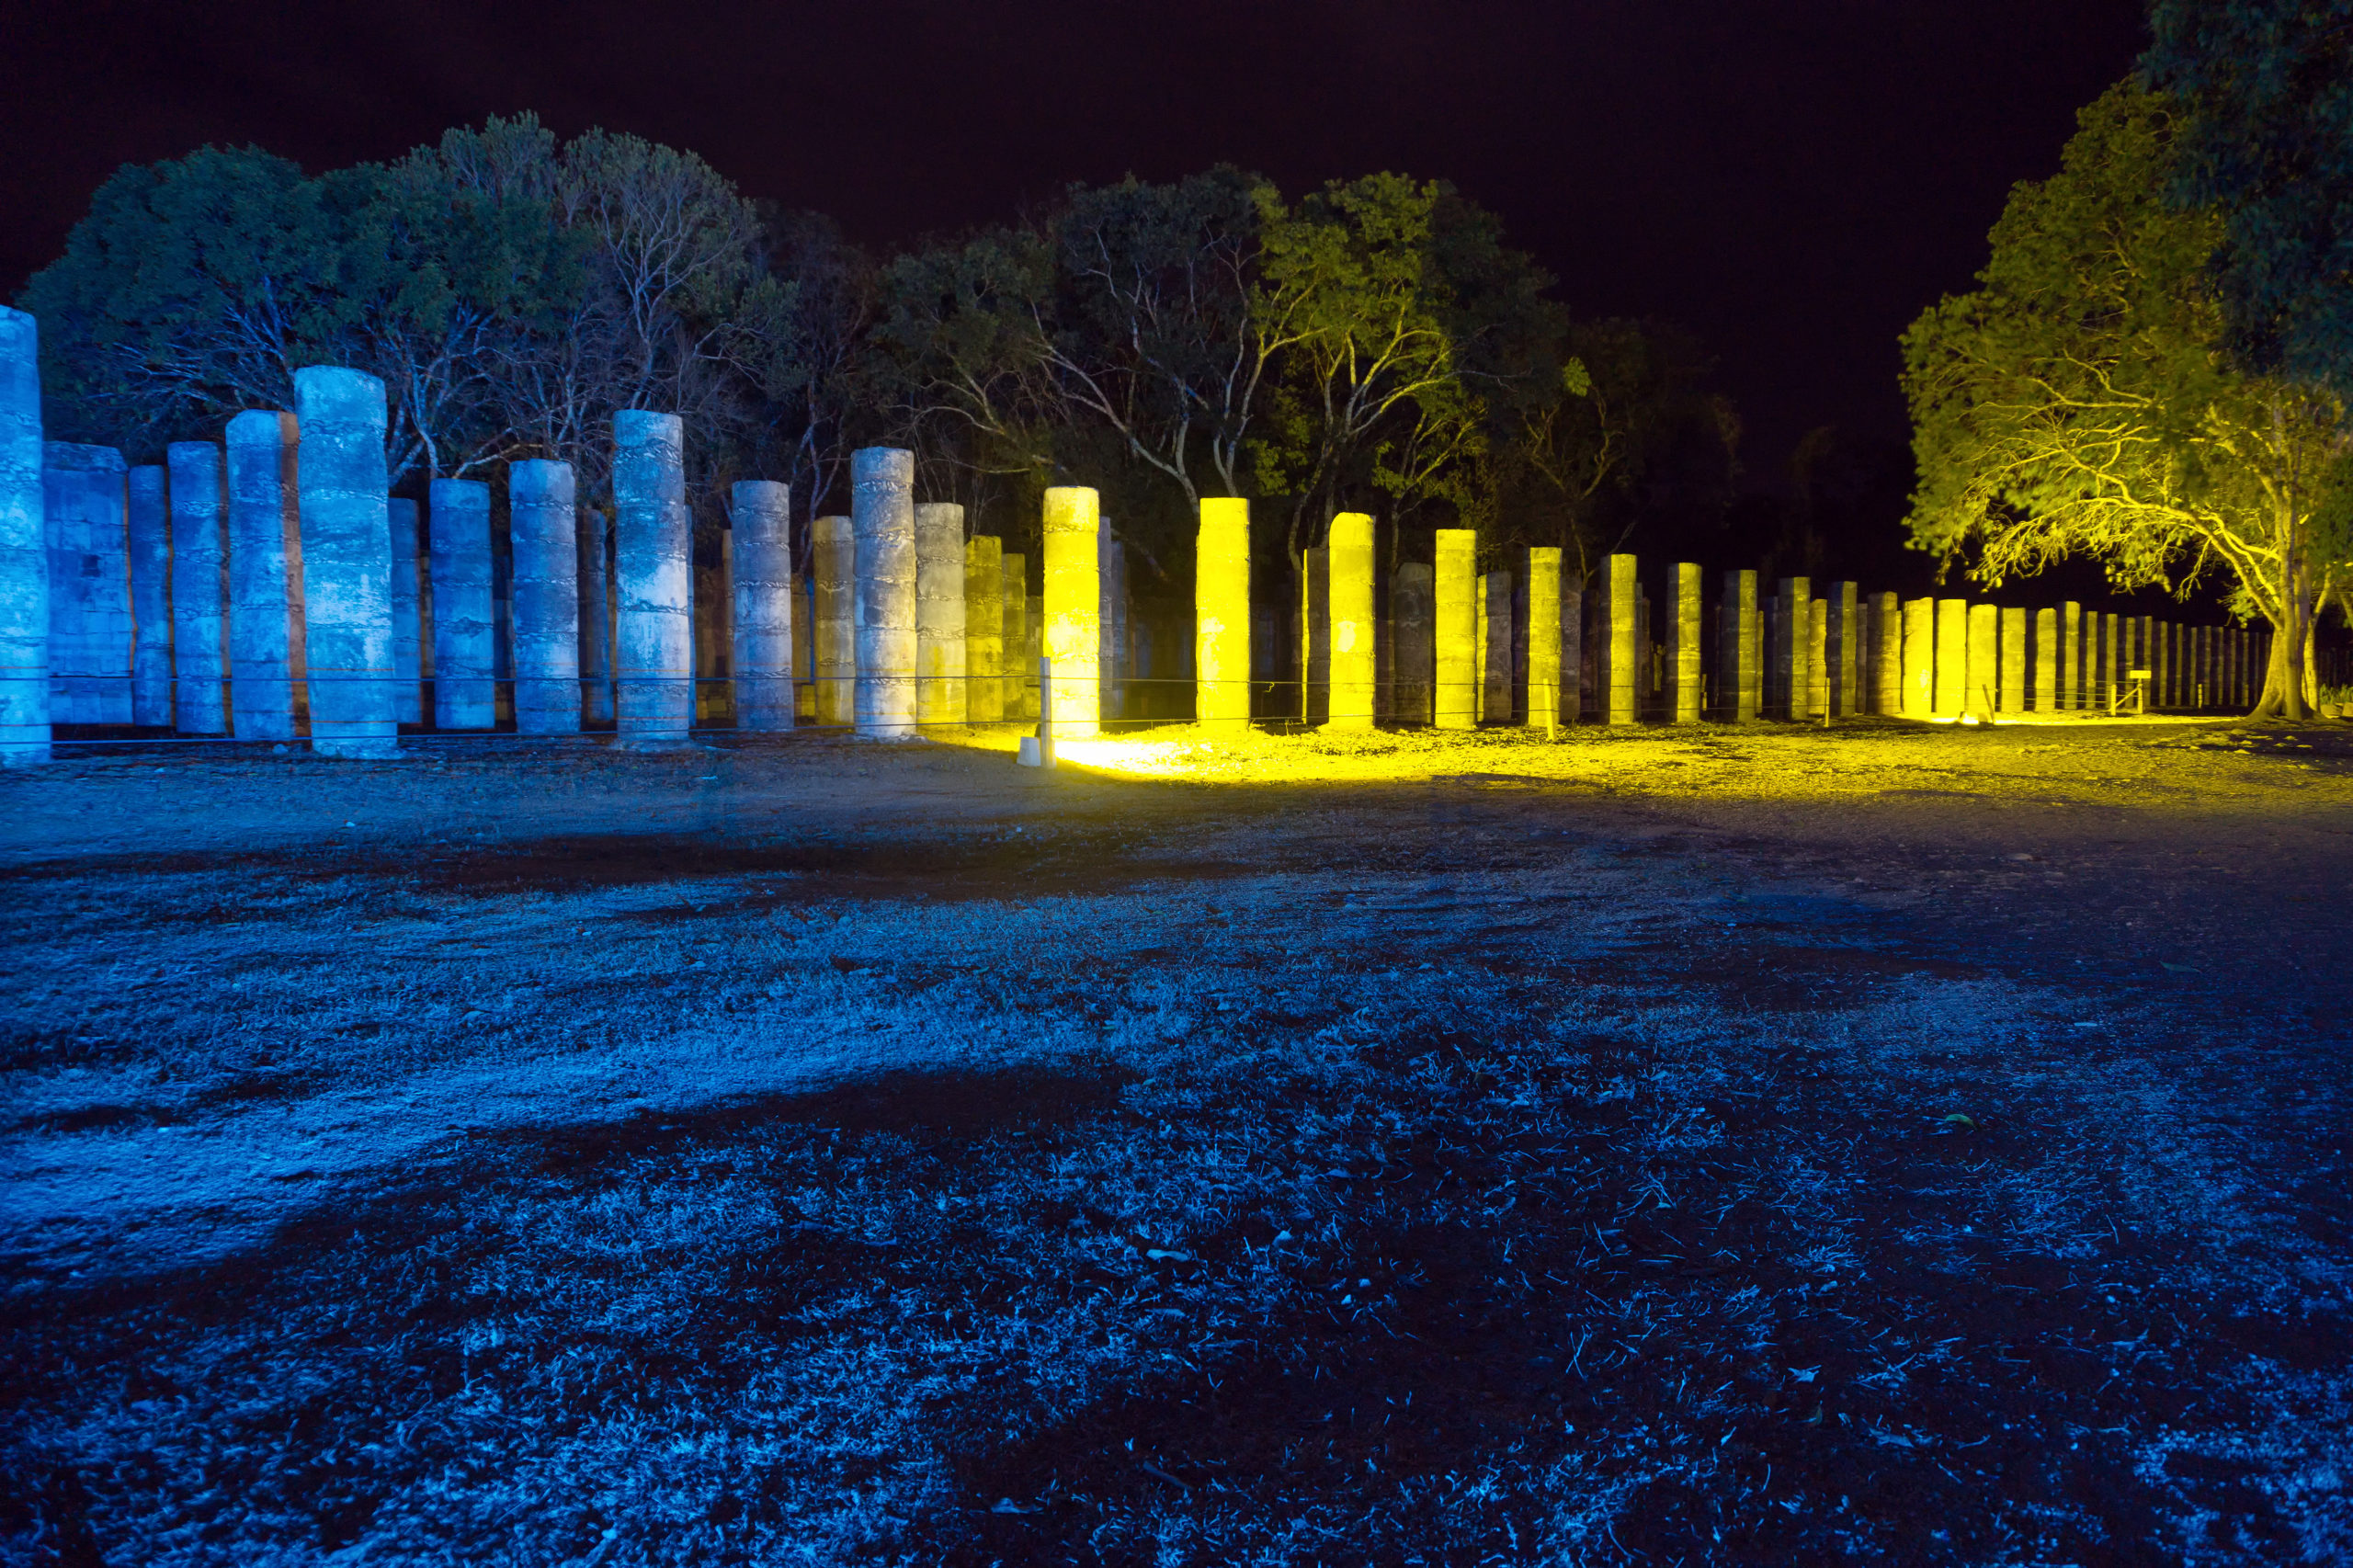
(1775,1146)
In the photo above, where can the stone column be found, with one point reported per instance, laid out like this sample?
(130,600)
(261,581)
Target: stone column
(2045,695)
(2071,656)
(1952,657)
(408,613)
(1572,611)
(1621,653)
(1072,633)
(151,597)
(1984,656)
(939,617)
(89,578)
(1111,623)
(1793,648)
(883,521)
(1314,635)
(984,630)
(2010,692)
(1817,628)
(199,589)
(1843,643)
(1413,606)
(1544,640)
(1738,678)
(465,690)
(1921,625)
(653,582)
(2113,647)
(1495,648)
(1035,628)
(1683,622)
(24,550)
(542,512)
(1221,614)
(1020,665)
(834,561)
(1887,696)
(266,660)
(760,653)
(1454,630)
(1348,634)
(596,619)
(346,562)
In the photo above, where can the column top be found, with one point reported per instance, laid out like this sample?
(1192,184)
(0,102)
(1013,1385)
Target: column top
(75,457)
(264,428)
(331,395)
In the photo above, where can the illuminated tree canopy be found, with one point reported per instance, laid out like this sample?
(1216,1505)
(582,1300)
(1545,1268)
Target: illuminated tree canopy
(2077,404)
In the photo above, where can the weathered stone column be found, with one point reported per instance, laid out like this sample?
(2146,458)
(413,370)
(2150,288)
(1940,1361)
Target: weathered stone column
(1035,626)
(1413,606)
(1020,664)
(1952,657)
(1544,640)
(1621,652)
(2009,696)
(465,690)
(1348,636)
(1072,633)
(984,630)
(24,550)
(2044,698)
(882,519)
(653,582)
(408,613)
(2071,657)
(760,653)
(346,562)
(542,516)
(1887,651)
(199,589)
(1984,654)
(1842,642)
(1111,622)
(1920,628)
(1222,613)
(1454,630)
(1817,630)
(596,619)
(1738,678)
(1495,648)
(1571,612)
(1683,623)
(1314,635)
(265,660)
(1793,649)
(151,597)
(939,617)
(834,562)
(89,578)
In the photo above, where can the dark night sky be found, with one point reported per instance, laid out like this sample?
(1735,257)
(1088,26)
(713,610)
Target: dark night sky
(1794,180)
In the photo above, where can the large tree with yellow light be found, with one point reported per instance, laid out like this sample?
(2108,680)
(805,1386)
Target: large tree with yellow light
(2077,404)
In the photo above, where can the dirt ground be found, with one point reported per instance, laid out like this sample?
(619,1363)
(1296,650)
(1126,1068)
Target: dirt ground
(1682,1145)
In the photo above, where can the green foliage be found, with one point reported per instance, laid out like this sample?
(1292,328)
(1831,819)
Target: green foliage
(2269,144)
(2075,403)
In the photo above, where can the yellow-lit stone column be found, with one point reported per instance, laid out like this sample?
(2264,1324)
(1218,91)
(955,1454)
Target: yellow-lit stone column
(1817,660)
(1737,676)
(1621,653)
(1683,644)
(1919,698)
(1221,614)
(1314,635)
(1793,649)
(2009,694)
(985,629)
(940,698)
(1349,564)
(1985,659)
(836,651)
(1844,636)
(1545,661)
(1072,634)
(1455,630)
(1495,648)
(1952,657)
(1885,683)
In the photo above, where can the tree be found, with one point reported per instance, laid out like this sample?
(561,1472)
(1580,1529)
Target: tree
(2269,144)
(2076,402)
